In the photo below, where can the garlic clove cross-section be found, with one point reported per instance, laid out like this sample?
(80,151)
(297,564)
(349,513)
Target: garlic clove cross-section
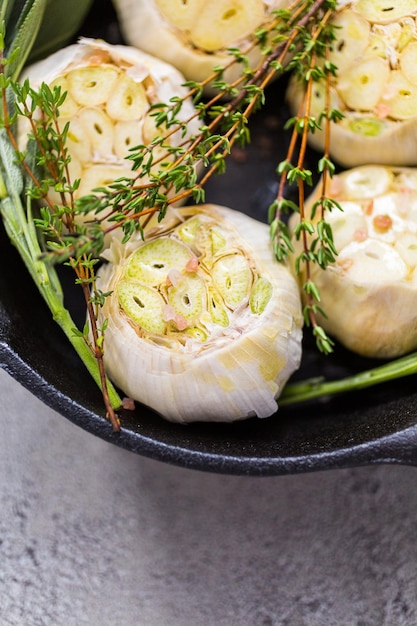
(375,87)
(203,323)
(369,293)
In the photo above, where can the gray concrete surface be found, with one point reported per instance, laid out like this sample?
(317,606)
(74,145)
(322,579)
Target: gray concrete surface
(92,535)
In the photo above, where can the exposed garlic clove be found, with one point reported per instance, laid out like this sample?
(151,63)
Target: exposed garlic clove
(369,293)
(353,32)
(230,20)
(217,309)
(99,132)
(233,279)
(319,100)
(152,262)
(213,24)
(127,135)
(206,345)
(384,11)
(365,182)
(69,107)
(92,86)
(362,262)
(362,86)
(182,15)
(187,298)
(347,225)
(78,142)
(142,305)
(406,246)
(128,100)
(408,63)
(401,96)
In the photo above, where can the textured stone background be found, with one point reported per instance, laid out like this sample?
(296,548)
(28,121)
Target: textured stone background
(92,535)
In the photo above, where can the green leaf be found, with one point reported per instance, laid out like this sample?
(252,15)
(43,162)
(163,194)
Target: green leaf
(13,174)
(22,28)
(36,28)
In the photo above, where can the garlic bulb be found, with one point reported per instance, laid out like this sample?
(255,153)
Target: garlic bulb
(376,85)
(110,89)
(369,293)
(202,325)
(194,35)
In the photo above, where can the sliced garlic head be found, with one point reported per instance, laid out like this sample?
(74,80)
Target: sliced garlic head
(110,90)
(203,323)
(375,52)
(194,35)
(369,293)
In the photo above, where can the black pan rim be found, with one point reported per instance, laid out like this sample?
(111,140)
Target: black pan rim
(399,447)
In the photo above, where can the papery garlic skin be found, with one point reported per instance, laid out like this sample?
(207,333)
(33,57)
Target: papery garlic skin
(202,325)
(375,88)
(194,35)
(369,293)
(110,89)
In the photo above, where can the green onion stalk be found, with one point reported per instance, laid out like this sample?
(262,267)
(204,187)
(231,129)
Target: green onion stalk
(317,387)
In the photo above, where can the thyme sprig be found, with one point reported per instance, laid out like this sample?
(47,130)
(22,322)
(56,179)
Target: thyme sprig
(317,238)
(21,183)
(168,172)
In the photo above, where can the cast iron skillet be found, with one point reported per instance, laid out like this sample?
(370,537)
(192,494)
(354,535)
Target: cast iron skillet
(378,425)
